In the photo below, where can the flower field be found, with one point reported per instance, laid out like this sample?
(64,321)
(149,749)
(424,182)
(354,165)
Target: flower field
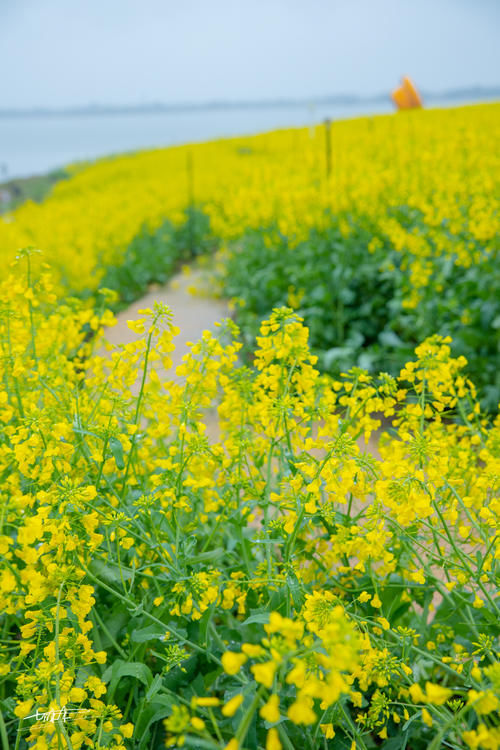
(280,586)
(391,239)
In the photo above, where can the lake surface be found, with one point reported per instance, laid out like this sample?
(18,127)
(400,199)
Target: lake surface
(38,144)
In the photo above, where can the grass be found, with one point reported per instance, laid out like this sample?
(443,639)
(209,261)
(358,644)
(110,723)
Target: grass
(18,190)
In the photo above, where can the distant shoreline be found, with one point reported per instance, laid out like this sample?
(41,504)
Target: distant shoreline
(477,93)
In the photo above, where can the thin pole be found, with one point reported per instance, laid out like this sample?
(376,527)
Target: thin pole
(190,196)
(328,146)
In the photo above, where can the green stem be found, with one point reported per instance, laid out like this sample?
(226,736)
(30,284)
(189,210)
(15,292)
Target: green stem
(3,733)
(108,634)
(18,737)
(247,718)
(138,407)
(436,742)
(154,619)
(56,644)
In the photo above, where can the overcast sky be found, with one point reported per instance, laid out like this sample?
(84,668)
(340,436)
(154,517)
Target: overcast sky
(74,52)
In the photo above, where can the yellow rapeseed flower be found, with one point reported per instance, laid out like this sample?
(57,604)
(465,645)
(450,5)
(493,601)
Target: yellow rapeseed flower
(232,662)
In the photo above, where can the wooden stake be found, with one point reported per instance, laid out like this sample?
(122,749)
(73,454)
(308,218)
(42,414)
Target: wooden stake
(328,146)
(190,196)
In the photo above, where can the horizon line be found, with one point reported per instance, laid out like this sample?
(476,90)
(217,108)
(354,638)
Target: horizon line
(95,108)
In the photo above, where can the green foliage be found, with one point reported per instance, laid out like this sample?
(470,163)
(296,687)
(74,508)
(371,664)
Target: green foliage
(351,292)
(15,192)
(274,588)
(341,292)
(153,256)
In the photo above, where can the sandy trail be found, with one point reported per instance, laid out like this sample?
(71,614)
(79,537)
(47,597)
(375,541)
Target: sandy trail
(193,314)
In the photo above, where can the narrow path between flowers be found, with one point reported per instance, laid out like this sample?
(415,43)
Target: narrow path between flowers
(193,314)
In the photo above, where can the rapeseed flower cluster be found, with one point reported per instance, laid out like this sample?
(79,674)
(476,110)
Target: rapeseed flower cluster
(279,585)
(424,183)
(396,241)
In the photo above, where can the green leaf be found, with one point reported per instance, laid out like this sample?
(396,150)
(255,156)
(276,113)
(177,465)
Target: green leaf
(294,587)
(390,339)
(412,718)
(396,743)
(151,717)
(117,450)
(120,668)
(258,617)
(211,555)
(109,572)
(198,742)
(151,633)
(154,687)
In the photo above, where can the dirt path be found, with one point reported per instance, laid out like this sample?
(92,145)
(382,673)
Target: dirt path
(193,315)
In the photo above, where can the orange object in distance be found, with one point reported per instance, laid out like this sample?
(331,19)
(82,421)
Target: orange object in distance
(407,96)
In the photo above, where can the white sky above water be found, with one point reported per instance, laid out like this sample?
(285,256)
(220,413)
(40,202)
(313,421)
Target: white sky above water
(59,53)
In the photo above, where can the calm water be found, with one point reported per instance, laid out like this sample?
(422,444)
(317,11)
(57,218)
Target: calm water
(34,145)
